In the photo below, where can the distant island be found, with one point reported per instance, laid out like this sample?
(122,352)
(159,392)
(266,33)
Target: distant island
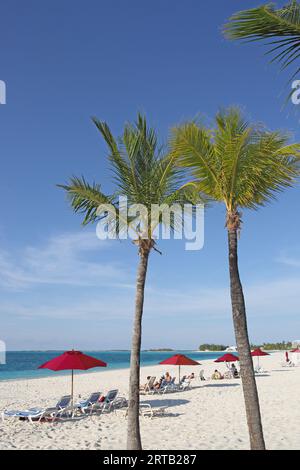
(159,349)
(212,347)
(283,346)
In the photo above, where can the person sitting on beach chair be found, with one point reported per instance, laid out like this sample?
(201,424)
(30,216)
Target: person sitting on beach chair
(158,384)
(217,375)
(234,372)
(167,377)
(148,386)
(142,387)
(182,380)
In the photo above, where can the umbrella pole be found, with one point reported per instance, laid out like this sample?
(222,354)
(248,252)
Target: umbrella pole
(72,387)
(179,374)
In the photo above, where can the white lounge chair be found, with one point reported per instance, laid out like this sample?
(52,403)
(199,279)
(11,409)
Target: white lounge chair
(185,385)
(169,387)
(111,402)
(259,370)
(147,411)
(149,386)
(87,405)
(36,414)
(288,364)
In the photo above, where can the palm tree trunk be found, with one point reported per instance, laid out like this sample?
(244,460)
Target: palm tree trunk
(133,429)
(243,346)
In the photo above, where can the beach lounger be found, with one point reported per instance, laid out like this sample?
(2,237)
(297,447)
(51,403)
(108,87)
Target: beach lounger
(259,370)
(288,364)
(185,385)
(158,390)
(110,403)
(149,385)
(87,405)
(169,387)
(147,411)
(36,414)
(31,412)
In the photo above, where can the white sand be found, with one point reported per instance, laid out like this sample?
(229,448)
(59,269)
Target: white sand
(210,416)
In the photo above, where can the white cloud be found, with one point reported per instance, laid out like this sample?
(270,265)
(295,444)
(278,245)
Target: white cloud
(61,261)
(290,257)
(289,261)
(264,299)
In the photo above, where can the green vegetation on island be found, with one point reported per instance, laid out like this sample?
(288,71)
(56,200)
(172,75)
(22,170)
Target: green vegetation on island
(212,347)
(283,346)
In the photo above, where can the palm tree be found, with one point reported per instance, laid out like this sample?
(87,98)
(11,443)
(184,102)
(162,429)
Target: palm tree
(242,167)
(281,28)
(145,175)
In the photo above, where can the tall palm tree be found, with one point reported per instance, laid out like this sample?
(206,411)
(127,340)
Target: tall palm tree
(145,175)
(242,167)
(279,27)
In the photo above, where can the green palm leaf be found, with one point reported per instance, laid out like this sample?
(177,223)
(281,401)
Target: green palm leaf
(280,28)
(236,163)
(142,171)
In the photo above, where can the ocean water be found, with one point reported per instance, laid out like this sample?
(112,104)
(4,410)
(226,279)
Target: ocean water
(24,364)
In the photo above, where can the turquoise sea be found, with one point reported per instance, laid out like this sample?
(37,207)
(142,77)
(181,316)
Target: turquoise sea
(24,364)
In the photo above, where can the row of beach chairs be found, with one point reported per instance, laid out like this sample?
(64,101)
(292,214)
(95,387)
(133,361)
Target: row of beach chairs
(64,409)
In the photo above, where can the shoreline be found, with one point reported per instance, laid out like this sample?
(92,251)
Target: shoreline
(83,373)
(32,373)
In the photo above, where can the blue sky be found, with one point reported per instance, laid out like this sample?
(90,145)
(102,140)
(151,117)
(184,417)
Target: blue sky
(64,62)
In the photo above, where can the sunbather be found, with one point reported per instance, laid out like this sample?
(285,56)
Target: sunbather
(158,384)
(167,377)
(142,387)
(234,372)
(217,375)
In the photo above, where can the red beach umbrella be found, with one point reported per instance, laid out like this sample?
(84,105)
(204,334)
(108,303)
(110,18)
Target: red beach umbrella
(257,353)
(72,360)
(227,358)
(180,360)
(296,351)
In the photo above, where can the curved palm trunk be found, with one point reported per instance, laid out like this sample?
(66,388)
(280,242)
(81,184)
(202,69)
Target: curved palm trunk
(133,429)
(243,346)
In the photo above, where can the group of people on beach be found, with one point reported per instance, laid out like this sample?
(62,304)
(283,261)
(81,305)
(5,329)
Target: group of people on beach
(165,379)
(168,379)
(233,372)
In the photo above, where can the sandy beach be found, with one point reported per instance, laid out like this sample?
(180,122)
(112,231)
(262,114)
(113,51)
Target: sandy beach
(210,416)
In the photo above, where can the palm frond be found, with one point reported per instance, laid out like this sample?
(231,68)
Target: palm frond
(85,198)
(245,166)
(266,23)
(192,148)
(143,171)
